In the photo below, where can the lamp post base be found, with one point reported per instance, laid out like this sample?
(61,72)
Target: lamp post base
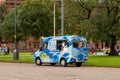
(15,55)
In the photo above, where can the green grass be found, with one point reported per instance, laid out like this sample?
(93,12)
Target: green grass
(93,60)
(103,61)
(24,57)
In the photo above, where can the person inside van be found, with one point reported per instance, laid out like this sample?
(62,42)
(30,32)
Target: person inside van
(65,46)
(59,45)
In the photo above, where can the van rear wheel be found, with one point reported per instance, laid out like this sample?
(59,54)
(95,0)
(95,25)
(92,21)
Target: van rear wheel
(63,63)
(78,64)
(38,61)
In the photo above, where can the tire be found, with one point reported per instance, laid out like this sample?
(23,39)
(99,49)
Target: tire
(38,62)
(78,64)
(52,64)
(63,63)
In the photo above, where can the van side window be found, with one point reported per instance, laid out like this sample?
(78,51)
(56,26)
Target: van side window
(52,45)
(75,45)
(59,44)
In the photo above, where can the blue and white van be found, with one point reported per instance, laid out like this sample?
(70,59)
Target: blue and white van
(63,50)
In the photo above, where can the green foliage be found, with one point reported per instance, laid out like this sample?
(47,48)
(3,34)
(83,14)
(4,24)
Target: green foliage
(77,14)
(3,10)
(71,17)
(100,18)
(7,29)
(106,22)
(96,19)
(34,18)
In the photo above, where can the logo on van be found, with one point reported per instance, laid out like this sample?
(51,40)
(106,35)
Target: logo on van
(44,55)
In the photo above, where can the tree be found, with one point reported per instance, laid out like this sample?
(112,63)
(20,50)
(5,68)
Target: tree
(71,18)
(77,15)
(93,18)
(34,18)
(7,28)
(38,17)
(3,10)
(104,21)
(108,23)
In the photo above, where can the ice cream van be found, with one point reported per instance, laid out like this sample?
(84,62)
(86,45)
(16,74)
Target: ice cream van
(62,50)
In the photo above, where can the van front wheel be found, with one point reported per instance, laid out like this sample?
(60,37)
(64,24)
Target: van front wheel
(38,61)
(78,64)
(63,63)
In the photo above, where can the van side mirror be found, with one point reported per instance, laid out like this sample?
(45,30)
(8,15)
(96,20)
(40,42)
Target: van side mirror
(40,49)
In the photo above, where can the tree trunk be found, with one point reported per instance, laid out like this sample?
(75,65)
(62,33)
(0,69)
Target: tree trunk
(112,46)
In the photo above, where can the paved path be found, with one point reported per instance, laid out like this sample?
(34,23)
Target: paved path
(22,71)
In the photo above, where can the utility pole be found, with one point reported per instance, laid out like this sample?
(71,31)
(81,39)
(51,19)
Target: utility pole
(62,17)
(15,52)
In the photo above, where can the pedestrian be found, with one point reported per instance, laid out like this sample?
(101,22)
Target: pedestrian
(8,50)
(117,51)
(0,49)
(5,50)
(33,51)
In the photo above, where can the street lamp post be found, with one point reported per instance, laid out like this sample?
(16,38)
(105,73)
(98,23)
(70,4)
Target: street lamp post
(62,17)
(15,52)
(54,17)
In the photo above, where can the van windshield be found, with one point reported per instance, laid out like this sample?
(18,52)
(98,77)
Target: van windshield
(79,44)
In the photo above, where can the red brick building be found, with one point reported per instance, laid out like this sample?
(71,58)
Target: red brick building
(11,3)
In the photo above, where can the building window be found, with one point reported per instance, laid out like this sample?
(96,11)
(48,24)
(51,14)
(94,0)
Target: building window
(23,44)
(29,46)
(34,45)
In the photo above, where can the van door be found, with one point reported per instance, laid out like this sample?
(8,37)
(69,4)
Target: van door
(54,52)
(44,55)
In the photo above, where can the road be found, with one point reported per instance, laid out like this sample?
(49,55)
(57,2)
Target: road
(23,71)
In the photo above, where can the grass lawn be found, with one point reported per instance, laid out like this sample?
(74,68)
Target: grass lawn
(93,60)
(24,57)
(106,61)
